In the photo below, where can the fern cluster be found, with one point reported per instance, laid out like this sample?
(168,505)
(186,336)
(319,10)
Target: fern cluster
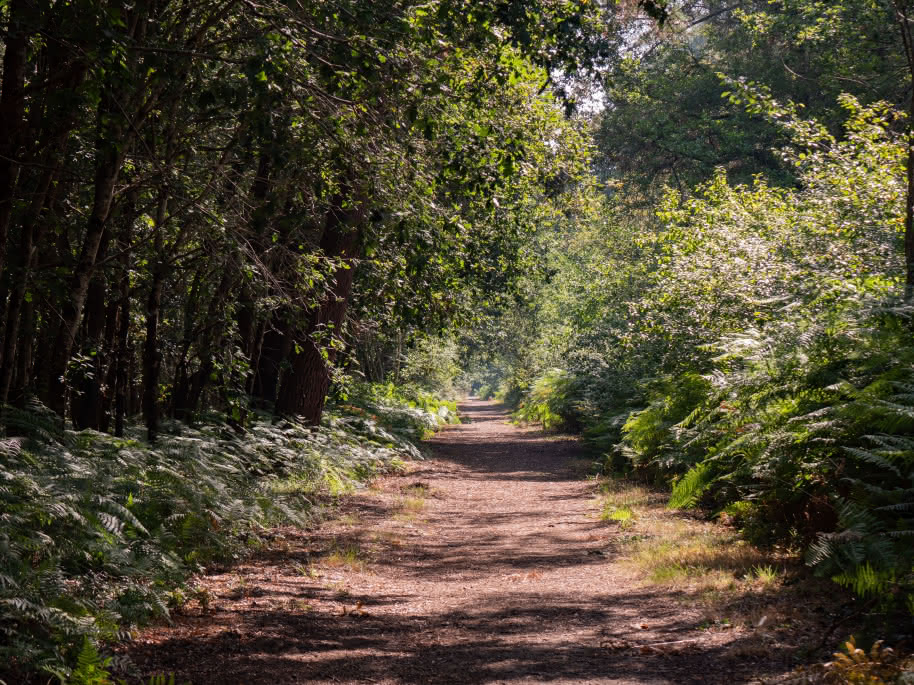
(98,531)
(752,348)
(804,413)
(549,401)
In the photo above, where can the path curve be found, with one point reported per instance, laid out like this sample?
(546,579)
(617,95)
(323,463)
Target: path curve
(501,573)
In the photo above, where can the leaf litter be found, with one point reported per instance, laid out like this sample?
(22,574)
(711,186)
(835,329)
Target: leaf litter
(506,573)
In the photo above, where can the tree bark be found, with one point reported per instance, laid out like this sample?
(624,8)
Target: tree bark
(33,228)
(904,24)
(179,396)
(152,358)
(187,398)
(274,347)
(12,111)
(87,409)
(123,353)
(909,207)
(22,377)
(303,389)
(109,150)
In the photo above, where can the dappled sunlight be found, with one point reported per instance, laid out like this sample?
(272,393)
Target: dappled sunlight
(454,573)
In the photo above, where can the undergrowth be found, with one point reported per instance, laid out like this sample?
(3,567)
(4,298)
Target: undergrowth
(547,402)
(880,665)
(754,353)
(99,532)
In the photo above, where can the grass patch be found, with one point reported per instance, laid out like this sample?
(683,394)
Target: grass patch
(620,501)
(698,554)
(349,520)
(418,489)
(617,493)
(735,585)
(413,505)
(408,508)
(300,605)
(766,575)
(624,516)
(388,537)
(340,589)
(308,571)
(666,548)
(349,557)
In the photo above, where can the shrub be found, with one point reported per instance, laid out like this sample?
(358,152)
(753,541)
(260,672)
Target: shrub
(97,530)
(549,401)
(432,367)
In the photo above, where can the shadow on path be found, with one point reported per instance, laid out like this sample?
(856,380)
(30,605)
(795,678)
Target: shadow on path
(505,576)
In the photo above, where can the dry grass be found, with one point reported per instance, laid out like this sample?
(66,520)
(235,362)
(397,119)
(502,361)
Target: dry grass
(623,503)
(417,489)
(349,557)
(413,505)
(412,502)
(621,494)
(349,520)
(308,571)
(667,548)
(707,566)
(694,554)
(408,509)
(388,537)
(300,605)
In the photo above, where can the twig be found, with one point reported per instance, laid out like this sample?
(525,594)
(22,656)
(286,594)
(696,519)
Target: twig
(838,621)
(671,642)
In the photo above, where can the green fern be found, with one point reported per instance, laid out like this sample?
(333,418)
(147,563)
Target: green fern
(688,489)
(866,580)
(98,530)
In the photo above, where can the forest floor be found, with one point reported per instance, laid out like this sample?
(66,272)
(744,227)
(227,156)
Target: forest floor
(496,561)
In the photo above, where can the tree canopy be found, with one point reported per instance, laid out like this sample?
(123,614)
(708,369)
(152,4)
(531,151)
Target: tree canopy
(683,228)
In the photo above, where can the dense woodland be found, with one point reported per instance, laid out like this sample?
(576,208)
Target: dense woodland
(246,246)
(729,312)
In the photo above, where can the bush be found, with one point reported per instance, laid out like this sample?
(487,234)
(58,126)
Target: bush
(431,367)
(804,411)
(549,402)
(97,530)
(485,392)
(410,412)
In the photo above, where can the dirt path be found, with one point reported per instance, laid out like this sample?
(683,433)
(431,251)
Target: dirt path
(486,564)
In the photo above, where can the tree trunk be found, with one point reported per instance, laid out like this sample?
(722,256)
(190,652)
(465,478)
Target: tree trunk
(907,38)
(108,373)
(187,399)
(275,347)
(181,390)
(152,358)
(87,408)
(32,232)
(12,111)
(109,150)
(124,353)
(22,377)
(303,389)
(909,208)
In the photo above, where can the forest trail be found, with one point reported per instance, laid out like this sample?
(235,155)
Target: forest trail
(487,563)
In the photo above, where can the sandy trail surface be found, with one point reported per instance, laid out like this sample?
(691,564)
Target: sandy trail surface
(485,564)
